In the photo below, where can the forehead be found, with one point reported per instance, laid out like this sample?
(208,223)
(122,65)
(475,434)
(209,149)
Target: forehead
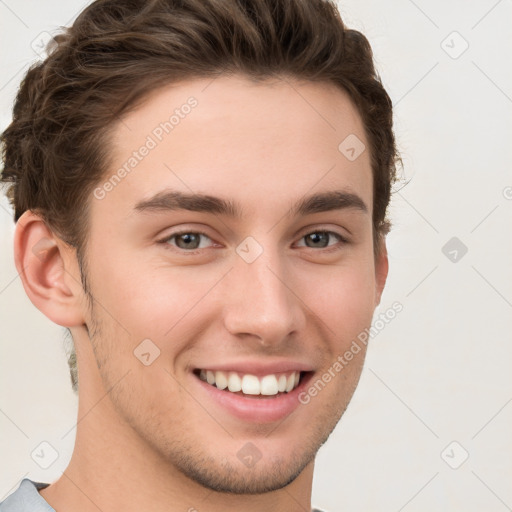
(259,144)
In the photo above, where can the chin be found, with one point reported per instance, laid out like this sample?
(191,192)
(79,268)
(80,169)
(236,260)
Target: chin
(234,478)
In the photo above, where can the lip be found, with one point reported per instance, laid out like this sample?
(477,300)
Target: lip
(259,369)
(254,409)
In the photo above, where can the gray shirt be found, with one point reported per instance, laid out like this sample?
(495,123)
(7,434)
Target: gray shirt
(26,498)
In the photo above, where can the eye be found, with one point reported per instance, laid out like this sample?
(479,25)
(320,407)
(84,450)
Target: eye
(321,239)
(187,240)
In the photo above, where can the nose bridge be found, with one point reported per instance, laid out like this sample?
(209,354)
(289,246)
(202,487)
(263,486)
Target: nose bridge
(261,302)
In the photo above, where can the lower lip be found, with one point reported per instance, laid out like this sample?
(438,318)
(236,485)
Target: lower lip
(256,410)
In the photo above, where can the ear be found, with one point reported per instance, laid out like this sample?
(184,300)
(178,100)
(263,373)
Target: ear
(49,271)
(381,269)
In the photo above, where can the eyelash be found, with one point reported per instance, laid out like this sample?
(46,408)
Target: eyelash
(327,249)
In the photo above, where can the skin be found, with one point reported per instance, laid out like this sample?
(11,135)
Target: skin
(149,434)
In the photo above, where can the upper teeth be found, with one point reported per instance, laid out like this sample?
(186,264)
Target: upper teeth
(250,384)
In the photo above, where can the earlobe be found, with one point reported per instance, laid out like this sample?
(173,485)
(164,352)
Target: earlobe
(381,270)
(48,270)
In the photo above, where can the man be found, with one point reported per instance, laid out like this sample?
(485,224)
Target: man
(200,191)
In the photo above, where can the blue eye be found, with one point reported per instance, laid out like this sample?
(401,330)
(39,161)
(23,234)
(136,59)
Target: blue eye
(190,241)
(321,239)
(187,240)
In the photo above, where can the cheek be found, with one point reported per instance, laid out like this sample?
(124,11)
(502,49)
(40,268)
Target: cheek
(149,299)
(342,297)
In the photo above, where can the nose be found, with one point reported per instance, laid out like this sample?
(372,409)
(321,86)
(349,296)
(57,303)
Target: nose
(260,302)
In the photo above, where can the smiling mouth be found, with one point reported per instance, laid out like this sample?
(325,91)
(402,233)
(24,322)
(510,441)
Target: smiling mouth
(267,386)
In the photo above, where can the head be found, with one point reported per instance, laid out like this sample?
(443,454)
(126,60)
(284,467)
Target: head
(218,175)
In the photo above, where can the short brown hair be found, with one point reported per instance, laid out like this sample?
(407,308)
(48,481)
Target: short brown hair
(55,151)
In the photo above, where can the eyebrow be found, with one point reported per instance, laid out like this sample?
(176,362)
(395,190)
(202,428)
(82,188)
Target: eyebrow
(169,200)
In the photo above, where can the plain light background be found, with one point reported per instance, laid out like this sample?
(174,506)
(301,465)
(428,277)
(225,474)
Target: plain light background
(437,386)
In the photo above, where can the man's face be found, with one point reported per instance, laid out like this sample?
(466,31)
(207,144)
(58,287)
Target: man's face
(264,293)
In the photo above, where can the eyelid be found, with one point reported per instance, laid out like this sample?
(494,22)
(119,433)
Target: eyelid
(342,239)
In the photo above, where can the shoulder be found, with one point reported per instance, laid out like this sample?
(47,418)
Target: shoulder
(26,498)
